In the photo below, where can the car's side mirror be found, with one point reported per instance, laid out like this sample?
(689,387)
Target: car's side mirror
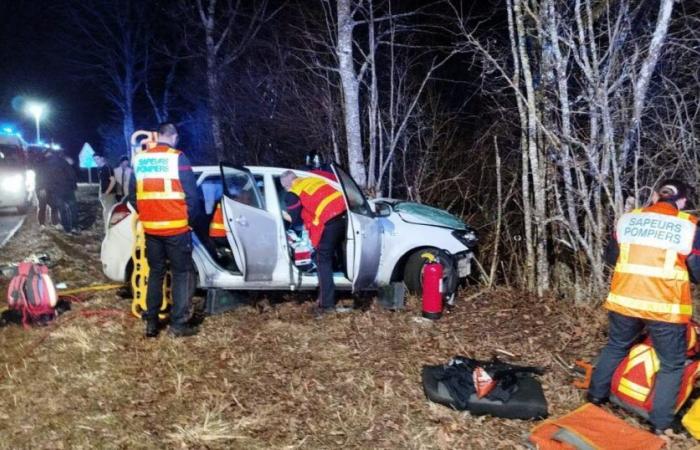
(382,210)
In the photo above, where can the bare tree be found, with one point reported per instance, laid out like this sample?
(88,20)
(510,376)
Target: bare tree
(225,30)
(160,97)
(109,42)
(580,78)
(351,89)
(382,76)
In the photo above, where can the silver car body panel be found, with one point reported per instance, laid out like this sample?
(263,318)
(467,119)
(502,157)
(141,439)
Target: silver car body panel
(364,234)
(251,230)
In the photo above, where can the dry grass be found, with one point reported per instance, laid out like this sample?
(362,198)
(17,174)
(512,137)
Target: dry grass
(206,428)
(273,377)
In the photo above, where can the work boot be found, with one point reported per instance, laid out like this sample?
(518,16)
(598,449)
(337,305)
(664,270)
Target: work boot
(321,312)
(596,401)
(152,328)
(676,429)
(183,331)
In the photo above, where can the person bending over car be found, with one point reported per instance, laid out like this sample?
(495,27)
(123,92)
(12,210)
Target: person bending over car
(321,208)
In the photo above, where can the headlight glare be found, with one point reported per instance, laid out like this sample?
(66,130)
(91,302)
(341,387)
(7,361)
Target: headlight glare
(12,183)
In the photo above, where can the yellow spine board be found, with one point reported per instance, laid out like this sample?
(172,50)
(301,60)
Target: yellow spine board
(139,275)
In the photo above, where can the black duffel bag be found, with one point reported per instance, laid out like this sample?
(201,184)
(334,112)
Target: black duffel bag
(517,395)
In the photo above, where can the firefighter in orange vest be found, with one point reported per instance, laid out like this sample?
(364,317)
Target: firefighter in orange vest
(217,230)
(314,202)
(166,199)
(656,252)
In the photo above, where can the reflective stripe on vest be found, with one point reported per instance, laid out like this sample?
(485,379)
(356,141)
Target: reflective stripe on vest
(325,202)
(164,224)
(651,280)
(650,306)
(633,390)
(161,196)
(315,195)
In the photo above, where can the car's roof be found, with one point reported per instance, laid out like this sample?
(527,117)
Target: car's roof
(258,170)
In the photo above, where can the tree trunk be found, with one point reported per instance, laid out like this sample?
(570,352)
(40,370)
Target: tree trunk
(215,115)
(351,93)
(213,84)
(529,271)
(499,215)
(644,76)
(373,112)
(538,182)
(128,111)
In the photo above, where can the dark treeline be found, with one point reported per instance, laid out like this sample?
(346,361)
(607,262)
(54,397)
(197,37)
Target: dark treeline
(539,121)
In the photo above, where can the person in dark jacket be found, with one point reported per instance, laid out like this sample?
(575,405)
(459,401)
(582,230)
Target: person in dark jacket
(46,198)
(68,200)
(61,183)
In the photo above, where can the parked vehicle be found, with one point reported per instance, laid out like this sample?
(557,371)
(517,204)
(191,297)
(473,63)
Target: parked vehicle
(384,242)
(16,180)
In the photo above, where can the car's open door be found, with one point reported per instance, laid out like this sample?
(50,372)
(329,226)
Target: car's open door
(364,236)
(251,231)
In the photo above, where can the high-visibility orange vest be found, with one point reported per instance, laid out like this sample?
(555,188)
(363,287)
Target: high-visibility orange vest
(160,198)
(320,203)
(216,227)
(651,276)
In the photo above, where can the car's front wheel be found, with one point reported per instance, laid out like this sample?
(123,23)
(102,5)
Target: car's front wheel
(413,271)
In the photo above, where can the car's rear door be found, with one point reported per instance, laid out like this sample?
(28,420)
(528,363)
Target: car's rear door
(364,238)
(251,231)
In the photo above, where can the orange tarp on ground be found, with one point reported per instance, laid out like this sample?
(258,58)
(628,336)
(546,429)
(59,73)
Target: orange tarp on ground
(590,427)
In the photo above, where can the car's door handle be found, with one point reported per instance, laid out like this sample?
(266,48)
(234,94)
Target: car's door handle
(240,220)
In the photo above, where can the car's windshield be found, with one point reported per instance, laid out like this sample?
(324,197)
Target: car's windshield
(11,156)
(417,212)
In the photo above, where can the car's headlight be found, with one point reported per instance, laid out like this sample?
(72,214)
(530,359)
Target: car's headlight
(12,183)
(467,237)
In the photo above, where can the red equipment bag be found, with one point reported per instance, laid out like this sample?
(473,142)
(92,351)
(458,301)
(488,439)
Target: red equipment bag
(590,427)
(633,382)
(32,292)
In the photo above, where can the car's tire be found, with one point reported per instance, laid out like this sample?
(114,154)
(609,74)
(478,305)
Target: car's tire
(414,268)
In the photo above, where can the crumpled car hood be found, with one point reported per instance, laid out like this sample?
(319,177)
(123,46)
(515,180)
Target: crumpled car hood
(427,215)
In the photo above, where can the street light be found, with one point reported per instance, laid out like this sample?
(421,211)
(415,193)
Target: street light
(36,110)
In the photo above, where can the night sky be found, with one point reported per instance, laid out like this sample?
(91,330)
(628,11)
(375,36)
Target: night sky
(38,64)
(34,67)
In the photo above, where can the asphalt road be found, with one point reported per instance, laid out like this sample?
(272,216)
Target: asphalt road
(10,222)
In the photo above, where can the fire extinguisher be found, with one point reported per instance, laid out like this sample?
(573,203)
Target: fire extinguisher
(432,287)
